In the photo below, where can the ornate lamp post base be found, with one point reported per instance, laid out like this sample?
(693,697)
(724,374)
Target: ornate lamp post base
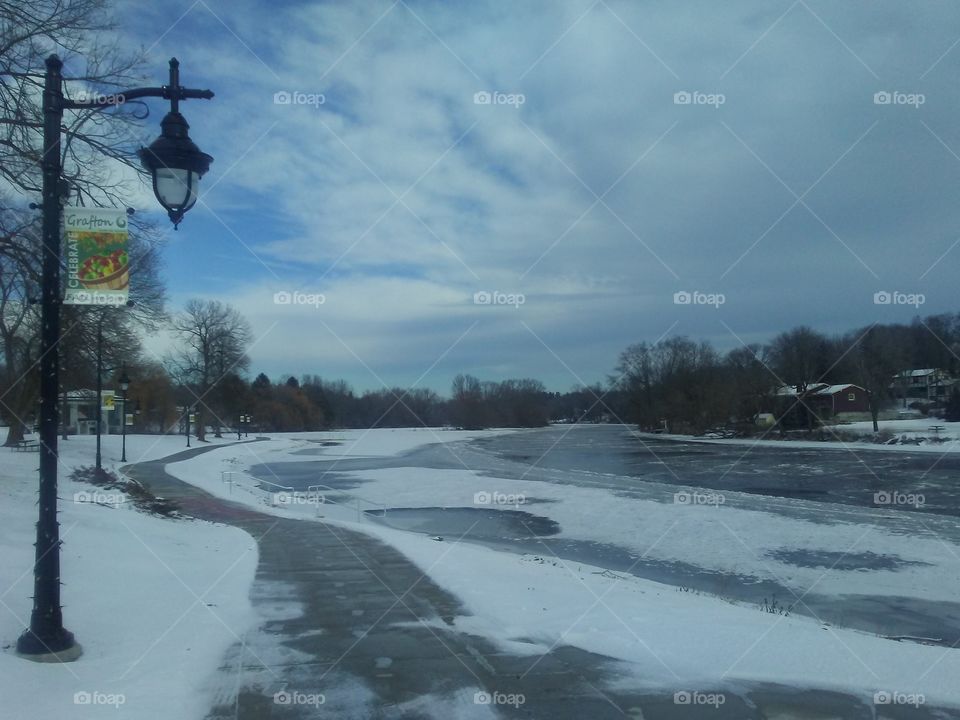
(59,649)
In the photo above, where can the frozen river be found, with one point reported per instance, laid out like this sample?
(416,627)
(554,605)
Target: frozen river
(826,486)
(830,474)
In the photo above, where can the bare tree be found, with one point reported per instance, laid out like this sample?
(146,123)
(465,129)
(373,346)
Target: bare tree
(676,380)
(466,406)
(213,341)
(19,327)
(81,32)
(876,355)
(634,377)
(752,380)
(95,141)
(801,356)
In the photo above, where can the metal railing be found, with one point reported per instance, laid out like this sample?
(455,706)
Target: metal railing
(229,478)
(358,501)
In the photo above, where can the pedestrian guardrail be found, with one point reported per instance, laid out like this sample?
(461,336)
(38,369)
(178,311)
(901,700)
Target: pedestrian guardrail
(244,482)
(358,503)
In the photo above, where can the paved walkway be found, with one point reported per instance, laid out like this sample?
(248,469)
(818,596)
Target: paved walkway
(350,621)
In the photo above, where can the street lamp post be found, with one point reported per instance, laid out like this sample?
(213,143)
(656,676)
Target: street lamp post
(171,159)
(99,411)
(124,386)
(187,416)
(100,371)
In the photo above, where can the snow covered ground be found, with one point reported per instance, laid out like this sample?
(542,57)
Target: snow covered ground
(912,429)
(530,604)
(140,591)
(155,603)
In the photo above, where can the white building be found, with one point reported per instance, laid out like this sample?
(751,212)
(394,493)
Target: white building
(925,384)
(81,412)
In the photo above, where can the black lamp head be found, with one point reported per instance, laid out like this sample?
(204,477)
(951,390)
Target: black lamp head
(176,165)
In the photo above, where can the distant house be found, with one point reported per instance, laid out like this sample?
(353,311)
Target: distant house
(825,401)
(790,391)
(839,399)
(931,384)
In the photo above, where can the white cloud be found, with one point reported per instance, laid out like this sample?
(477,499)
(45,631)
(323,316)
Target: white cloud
(503,192)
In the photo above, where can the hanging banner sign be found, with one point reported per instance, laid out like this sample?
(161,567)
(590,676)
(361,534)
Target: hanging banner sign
(108,400)
(98,271)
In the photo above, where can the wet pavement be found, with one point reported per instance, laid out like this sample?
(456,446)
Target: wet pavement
(349,620)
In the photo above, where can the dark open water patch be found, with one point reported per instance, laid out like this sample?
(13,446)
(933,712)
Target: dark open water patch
(522,532)
(318,451)
(302,474)
(832,560)
(480,524)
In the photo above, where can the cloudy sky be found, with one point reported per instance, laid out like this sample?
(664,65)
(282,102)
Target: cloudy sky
(576,162)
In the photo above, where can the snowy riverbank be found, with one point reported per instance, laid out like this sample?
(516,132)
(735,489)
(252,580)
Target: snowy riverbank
(916,435)
(154,602)
(670,639)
